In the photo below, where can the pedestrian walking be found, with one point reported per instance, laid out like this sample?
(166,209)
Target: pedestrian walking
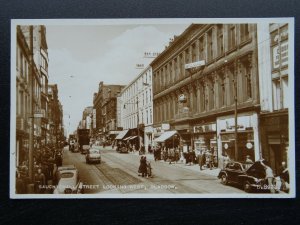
(226,160)
(192,156)
(140,167)
(248,162)
(143,166)
(202,159)
(149,168)
(20,184)
(284,177)
(209,159)
(270,178)
(39,181)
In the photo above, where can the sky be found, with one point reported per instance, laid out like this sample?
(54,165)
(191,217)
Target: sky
(80,56)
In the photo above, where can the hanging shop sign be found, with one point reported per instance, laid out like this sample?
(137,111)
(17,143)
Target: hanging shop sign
(165,126)
(194,64)
(280,53)
(243,123)
(205,128)
(249,145)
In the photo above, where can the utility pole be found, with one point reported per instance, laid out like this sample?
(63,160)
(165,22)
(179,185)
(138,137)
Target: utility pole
(31,135)
(235,112)
(138,121)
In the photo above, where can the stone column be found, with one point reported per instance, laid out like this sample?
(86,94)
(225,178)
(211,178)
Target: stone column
(198,103)
(216,90)
(205,47)
(190,91)
(183,61)
(197,50)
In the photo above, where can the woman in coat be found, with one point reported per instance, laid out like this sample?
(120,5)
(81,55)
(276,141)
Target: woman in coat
(143,166)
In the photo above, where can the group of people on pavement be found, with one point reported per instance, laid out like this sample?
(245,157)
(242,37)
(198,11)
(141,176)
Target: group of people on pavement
(280,181)
(167,154)
(45,162)
(206,159)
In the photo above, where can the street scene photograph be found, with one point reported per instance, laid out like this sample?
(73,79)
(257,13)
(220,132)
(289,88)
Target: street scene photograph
(152,108)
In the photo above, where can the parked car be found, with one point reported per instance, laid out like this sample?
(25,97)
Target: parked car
(62,168)
(251,179)
(93,155)
(69,182)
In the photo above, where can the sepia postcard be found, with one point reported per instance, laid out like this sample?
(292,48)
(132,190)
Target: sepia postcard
(152,108)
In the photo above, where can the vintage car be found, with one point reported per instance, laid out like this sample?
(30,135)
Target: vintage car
(69,182)
(251,179)
(85,149)
(61,168)
(93,155)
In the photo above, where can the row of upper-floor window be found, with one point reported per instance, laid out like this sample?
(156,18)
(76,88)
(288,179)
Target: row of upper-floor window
(23,100)
(210,45)
(140,83)
(22,65)
(145,117)
(144,99)
(216,92)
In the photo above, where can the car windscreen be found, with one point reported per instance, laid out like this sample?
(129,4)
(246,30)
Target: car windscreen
(94,152)
(67,175)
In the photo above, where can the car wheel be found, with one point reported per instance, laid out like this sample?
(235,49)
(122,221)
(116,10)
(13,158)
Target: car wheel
(247,187)
(224,179)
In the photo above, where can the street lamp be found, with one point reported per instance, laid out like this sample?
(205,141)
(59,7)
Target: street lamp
(235,116)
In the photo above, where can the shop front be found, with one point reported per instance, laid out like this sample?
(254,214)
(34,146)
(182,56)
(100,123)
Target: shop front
(205,139)
(148,136)
(168,139)
(22,147)
(275,139)
(247,138)
(185,134)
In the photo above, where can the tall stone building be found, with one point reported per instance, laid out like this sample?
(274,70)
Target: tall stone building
(136,104)
(197,81)
(105,105)
(55,113)
(40,57)
(276,102)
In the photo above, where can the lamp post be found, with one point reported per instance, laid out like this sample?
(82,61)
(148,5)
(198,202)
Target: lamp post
(31,135)
(236,153)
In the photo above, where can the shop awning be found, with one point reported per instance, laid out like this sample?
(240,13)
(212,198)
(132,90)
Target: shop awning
(121,135)
(128,138)
(132,137)
(166,135)
(114,132)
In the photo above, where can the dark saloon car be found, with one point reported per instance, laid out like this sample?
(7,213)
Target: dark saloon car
(251,179)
